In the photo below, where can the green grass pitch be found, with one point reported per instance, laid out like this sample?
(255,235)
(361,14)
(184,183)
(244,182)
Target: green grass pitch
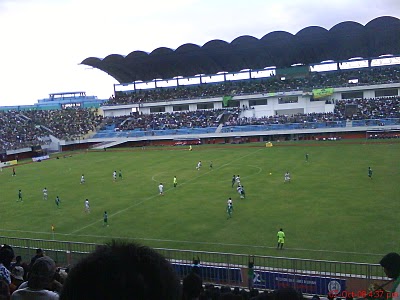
(330,210)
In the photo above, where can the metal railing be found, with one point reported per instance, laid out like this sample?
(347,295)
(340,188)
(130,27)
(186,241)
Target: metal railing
(310,276)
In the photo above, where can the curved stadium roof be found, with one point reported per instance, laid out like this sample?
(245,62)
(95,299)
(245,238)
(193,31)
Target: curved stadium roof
(279,48)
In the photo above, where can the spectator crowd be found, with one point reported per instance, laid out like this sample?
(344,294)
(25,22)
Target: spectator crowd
(376,108)
(19,129)
(342,78)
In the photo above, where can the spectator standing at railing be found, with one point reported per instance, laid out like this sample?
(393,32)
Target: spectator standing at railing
(391,266)
(40,281)
(192,287)
(39,254)
(6,257)
(17,278)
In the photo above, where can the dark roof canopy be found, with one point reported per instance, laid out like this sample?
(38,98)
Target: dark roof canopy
(312,44)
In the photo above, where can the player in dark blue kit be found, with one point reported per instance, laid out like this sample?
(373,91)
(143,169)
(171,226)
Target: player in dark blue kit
(105,219)
(370,172)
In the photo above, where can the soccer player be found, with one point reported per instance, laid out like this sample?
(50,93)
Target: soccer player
(175,181)
(370,172)
(239,189)
(198,165)
(233,180)
(120,174)
(242,192)
(87,206)
(105,218)
(161,189)
(20,196)
(306,157)
(82,179)
(14,174)
(190,148)
(211,165)
(229,208)
(287,177)
(281,239)
(45,194)
(115,176)
(58,201)
(238,179)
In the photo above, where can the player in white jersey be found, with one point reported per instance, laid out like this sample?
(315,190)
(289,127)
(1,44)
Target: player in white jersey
(115,175)
(198,165)
(287,177)
(45,194)
(87,206)
(161,189)
(238,180)
(82,179)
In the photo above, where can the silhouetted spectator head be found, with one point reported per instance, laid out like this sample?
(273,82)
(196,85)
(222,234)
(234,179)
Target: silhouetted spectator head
(4,290)
(391,264)
(42,273)
(6,255)
(192,286)
(18,259)
(288,293)
(121,270)
(263,296)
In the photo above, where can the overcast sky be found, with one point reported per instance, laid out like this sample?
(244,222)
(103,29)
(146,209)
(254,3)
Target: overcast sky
(43,41)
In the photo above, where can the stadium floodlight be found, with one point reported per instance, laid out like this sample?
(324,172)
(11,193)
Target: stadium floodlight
(324,67)
(354,64)
(385,61)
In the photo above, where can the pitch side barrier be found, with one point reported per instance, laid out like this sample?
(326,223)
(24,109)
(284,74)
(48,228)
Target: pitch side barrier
(270,272)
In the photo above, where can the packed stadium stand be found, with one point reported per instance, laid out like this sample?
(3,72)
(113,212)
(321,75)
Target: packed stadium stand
(271,85)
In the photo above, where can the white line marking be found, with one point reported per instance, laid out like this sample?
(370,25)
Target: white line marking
(200,243)
(154,176)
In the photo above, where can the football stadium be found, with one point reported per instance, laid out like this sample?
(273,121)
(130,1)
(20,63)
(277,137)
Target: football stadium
(255,165)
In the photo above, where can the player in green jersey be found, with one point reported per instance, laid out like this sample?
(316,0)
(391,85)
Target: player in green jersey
(58,201)
(281,238)
(105,218)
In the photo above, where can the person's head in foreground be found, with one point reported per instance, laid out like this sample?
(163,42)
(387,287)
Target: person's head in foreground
(122,270)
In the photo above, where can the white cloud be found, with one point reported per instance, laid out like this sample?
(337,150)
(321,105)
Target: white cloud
(43,41)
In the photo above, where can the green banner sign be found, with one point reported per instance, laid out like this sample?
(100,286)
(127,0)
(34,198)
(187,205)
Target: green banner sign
(226,99)
(320,93)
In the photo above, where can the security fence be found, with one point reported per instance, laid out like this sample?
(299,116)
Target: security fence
(267,272)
